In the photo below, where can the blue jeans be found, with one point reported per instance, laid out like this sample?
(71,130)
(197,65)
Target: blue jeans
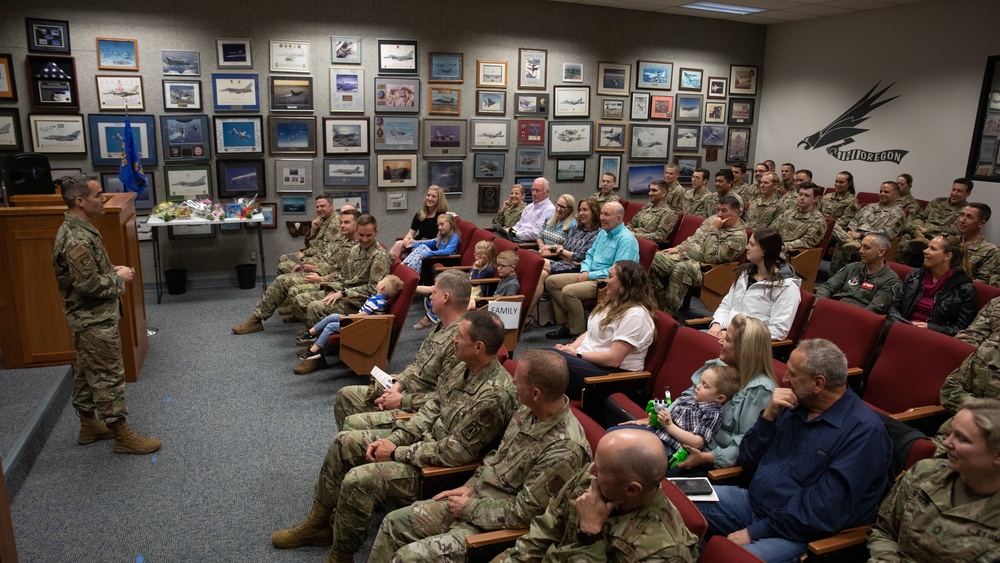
(733,513)
(579,369)
(327,328)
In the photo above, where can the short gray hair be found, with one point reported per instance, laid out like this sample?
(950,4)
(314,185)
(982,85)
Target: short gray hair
(882,242)
(824,358)
(457,285)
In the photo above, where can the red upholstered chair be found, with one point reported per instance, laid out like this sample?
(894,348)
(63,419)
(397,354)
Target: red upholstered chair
(591,428)
(900,269)
(687,226)
(673,234)
(721,550)
(501,244)
(807,261)
(429,264)
(782,348)
(985,293)
(693,519)
(647,250)
(866,198)
(529,269)
(468,256)
(631,208)
(854,330)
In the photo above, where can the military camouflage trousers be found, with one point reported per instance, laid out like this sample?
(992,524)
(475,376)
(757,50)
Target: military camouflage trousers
(424,531)
(287,263)
(353,487)
(276,294)
(671,277)
(302,295)
(99,375)
(354,409)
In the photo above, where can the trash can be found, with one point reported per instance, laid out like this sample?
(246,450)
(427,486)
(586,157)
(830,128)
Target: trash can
(246,274)
(176,281)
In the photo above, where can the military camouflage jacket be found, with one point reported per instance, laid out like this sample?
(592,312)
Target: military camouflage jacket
(852,285)
(714,202)
(653,533)
(715,246)
(939,217)
(763,212)
(842,208)
(675,196)
(979,374)
(918,522)
(654,223)
(508,217)
(909,204)
(461,422)
(331,262)
(800,230)
(887,220)
(533,463)
(602,199)
(328,230)
(434,359)
(362,271)
(746,191)
(984,260)
(89,286)
(699,203)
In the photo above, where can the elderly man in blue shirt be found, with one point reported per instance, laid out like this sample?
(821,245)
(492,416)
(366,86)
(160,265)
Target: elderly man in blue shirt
(569,291)
(828,468)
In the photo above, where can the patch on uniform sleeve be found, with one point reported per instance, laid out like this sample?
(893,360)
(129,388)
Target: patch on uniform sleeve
(554,485)
(627,549)
(82,260)
(471,431)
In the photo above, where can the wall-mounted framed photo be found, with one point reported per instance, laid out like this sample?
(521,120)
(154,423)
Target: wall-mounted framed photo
(358,199)
(292,135)
(445,68)
(289,55)
(489,198)
(741,111)
(345,135)
(346,171)
(715,112)
(738,144)
(291,93)
(613,79)
(649,142)
(397,95)
(689,107)
(294,204)
(531,132)
(571,138)
(610,164)
(239,135)
(491,74)
(571,101)
(396,133)
(983,154)
(47,36)
(654,75)
(293,175)
(347,90)
(117,54)
(395,200)
(489,165)
(639,109)
(610,137)
(743,80)
(489,133)
(397,171)
(687,163)
(661,107)
(640,176)
(690,79)
(532,69)
(107,139)
(11,139)
(53,82)
(185,137)
(120,93)
(180,63)
(687,138)
(233,53)
(397,56)
(57,134)
(241,178)
(345,50)
(144,201)
(446,174)
(531,105)
(491,102)
(182,95)
(236,92)
(613,108)
(270,213)
(444,137)
(713,135)
(8,86)
(443,100)
(571,169)
(718,88)
(192,181)
(529,160)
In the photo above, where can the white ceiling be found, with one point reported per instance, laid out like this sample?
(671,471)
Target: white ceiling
(777,11)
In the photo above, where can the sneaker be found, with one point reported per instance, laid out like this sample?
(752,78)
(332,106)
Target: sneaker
(307,340)
(307,355)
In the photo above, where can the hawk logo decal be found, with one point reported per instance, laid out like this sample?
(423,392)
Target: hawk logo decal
(842,130)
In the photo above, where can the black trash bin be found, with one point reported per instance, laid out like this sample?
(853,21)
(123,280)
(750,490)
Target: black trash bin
(246,274)
(176,281)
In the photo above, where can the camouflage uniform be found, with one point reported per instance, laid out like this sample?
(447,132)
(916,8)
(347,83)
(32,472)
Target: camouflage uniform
(653,532)
(513,485)
(746,191)
(654,223)
(602,199)
(315,245)
(909,204)
(459,424)
(419,380)
(842,208)
(508,217)
(277,293)
(874,217)
(675,196)
(763,212)
(852,285)
(671,275)
(800,230)
(715,202)
(789,200)
(984,260)
(90,290)
(698,202)
(328,269)
(940,217)
(919,521)
(363,269)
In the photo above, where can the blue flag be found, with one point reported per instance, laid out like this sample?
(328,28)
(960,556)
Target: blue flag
(131,172)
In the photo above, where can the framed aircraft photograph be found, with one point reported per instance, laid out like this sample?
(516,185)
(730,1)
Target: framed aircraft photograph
(529,160)
(491,102)
(654,75)
(144,202)
(613,108)
(233,53)
(397,95)
(346,171)
(489,165)
(491,74)
(687,138)
(743,80)
(57,134)
(640,176)
(718,88)
(571,138)
(291,93)
(444,137)
(715,112)
(345,50)
(639,109)
(290,56)
(396,171)
(8,86)
(610,137)
(741,111)
(107,139)
(713,135)
(53,82)
(738,144)
(11,139)
(241,178)
(571,101)
(118,93)
(182,95)
(117,54)
(292,135)
(572,73)
(187,182)
(396,133)
(532,69)
(571,169)
(489,134)
(239,135)
(689,107)
(649,142)
(442,100)
(661,107)
(236,92)
(47,36)
(690,79)
(445,68)
(531,105)
(180,63)
(293,175)
(613,79)
(185,137)
(397,56)
(447,174)
(531,132)
(343,135)
(610,164)
(347,90)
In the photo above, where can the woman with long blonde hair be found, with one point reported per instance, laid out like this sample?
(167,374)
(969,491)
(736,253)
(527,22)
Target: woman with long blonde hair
(424,225)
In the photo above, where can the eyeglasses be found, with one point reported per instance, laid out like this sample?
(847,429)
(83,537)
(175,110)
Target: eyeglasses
(499,265)
(561,206)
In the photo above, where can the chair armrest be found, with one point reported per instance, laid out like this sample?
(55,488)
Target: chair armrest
(442,267)
(918,412)
(616,377)
(528,245)
(482,281)
(402,416)
(700,321)
(780,343)
(854,372)
(491,229)
(846,538)
(428,472)
(725,473)
(490,538)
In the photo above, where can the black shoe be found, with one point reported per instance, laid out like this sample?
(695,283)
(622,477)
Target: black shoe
(559,334)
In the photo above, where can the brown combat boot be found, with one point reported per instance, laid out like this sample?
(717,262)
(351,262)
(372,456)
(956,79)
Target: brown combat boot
(289,319)
(310,364)
(285,310)
(253,324)
(340,557)
(92,430)
(315,530)
(128,442)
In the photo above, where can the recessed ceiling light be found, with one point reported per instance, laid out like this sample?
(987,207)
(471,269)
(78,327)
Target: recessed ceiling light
(723,8)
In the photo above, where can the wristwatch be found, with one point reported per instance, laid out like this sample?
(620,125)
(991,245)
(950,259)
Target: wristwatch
(586,538)
(579,355)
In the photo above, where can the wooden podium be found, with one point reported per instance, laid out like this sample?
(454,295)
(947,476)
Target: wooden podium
(34,332)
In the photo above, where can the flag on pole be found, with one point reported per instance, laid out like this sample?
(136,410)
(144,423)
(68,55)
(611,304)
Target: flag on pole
(131,174)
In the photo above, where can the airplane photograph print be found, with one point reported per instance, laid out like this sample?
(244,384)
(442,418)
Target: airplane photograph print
(571,138)
(57,134)
(489,133)
(345,50)
(117,54)
(180,63)
(239,135)
(571,101)
(648,142)
(115,93)
(396,56)
(236,92)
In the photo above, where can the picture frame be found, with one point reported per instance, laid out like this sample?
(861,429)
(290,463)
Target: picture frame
(610,164)
(738,144)
(715,112)
(53,82)
(743,80)
(444,137)
(654,75)
(270,212)
(294,204)
(233,53)
(489,134)
(185,137)
(610,137)
(531,131)
(713,135)
(687,163)
(396,133)
(346,171)
(239,135)
(291,93)
(446,174)
(345,50)
(571,101)
(120,93)
(741,111)
(358,199)
(661,107)
(397,56)
(613,79)
(292,135)
(290,55)
(491,102)
(639,109)
(235,92)
(640,176)
(690,79)
(241,178)
(489,165)
(181,95)
(8,85)
(396,171)
(397,95)
(718,88)
(61,134)
(190,231)
(491,74)
(347,90)
(571,169)
(231,227)
(613,108)
(687,138)
(529,160)
(60,172)
(572,73)
(117,54)
(107,139)
(532,69)
(445,68)
(11,138)
(571,138)
(689,108)
(176,62)
(395,200)
(443,100)
(191,181)
(649,142)
(531,105)
(345,135)
(47,36)
(144,201)
(987,150)
(489,198)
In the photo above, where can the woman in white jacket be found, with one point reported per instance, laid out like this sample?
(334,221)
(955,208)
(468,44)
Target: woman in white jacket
(766,288)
